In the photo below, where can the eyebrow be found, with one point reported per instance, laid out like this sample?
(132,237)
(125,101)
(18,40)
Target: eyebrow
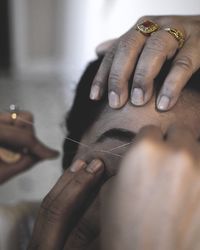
(118,134)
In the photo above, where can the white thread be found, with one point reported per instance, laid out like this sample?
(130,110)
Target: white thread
(25,121)
(121,146)
(79,143)
(85,145)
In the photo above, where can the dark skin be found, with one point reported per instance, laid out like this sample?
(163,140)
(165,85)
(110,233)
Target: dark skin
(64,205)
(84,234)
(17,135)
(55,224)
(146,55)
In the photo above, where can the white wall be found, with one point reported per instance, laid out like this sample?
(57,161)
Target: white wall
(34,39)
(60,36)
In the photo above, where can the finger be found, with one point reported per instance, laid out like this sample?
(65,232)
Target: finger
(184,65)
(5,118)
(63,181)
(87,230)
(19,138)
(63,213)
(99,84)
(149,133)
(24,119)
(9,170)
(159,46)
(102,48)
(128,50)
(181,137)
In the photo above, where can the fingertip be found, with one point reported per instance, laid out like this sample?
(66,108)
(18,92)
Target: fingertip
(44,152)
(137,96)
(163,103)
(114,100)
(117,101)
(77,165)
(96,166)
(53,153)
(95,92)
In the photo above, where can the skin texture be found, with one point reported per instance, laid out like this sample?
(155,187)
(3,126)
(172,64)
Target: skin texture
(145,55)
(155,205)
(63,206)
(63,202)
(19,136)
(133,119)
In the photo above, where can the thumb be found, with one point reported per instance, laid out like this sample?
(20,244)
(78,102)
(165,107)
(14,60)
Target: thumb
(25,141)
(42,151)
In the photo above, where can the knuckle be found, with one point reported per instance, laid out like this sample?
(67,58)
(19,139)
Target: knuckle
(78,181)
(82,181)
(156,43)
(184,62)
(127,43)
(140,77)
(52,215)
(83,234)
(109,56)
(170,89)
(49,210)
(47,201)
(114,81)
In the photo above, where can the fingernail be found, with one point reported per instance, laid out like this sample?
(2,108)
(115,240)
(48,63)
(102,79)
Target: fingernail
(94,166)
(95,92)
(76,166)
(163,103)
(137,96)
(113,99)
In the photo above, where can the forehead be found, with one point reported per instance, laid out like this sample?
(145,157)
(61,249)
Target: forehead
(134,118)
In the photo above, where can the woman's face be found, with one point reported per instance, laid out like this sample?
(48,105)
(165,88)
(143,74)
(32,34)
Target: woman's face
(115,128)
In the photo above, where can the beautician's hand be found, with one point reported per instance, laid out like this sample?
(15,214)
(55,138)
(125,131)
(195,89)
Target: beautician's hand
(19,147)
(153,203)
(146,55)
(63,207)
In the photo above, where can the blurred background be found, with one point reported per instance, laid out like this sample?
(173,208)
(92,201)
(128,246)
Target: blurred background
(44,47)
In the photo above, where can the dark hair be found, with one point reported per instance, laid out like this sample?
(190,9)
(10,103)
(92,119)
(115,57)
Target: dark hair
(84,111)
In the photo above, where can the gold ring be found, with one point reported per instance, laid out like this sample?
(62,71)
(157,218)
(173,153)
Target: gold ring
(147,27)
(13,112)
(177,34)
